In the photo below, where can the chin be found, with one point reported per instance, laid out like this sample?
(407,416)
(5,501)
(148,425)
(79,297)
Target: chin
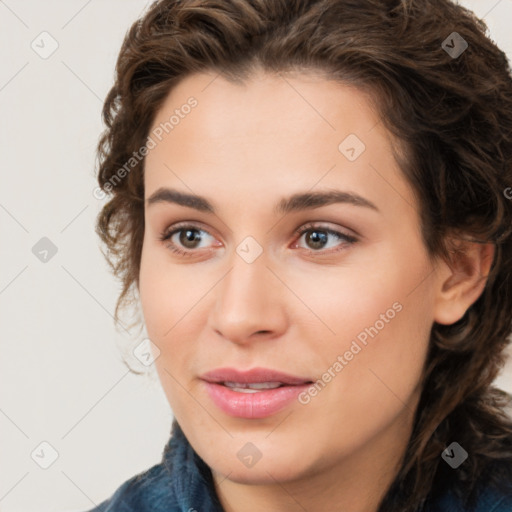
(274,465)
(261,474)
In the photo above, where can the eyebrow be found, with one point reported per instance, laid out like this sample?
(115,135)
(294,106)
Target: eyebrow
(296,202)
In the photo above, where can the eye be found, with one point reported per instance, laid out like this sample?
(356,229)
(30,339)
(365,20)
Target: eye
(188,236)
(184,239)
(317,237)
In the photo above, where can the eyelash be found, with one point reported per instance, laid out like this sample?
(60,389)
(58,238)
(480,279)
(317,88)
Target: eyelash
(168,234)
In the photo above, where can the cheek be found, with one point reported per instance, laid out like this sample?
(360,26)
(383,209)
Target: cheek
(173,299)
(165,299)
(167,292)
(385,374)
(372,299)
(379,323)
(367,389)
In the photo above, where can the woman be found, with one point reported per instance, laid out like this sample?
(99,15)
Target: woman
(309,200)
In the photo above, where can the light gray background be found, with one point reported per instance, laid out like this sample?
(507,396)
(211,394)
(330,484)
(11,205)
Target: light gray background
(61,376)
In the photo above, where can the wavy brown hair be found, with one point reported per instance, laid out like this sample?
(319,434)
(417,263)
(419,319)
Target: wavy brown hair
(453,118)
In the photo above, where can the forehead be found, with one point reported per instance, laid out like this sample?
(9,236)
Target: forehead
(267,102)
(272,131)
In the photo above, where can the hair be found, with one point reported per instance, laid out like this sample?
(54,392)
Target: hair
(452,117)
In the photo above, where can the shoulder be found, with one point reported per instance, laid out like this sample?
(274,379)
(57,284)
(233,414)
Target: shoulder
(150,490)
(493,493)
(489,501)
(181,482)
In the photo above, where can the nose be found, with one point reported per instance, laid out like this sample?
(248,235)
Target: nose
(249,303)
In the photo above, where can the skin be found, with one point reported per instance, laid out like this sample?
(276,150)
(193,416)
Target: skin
(299,305)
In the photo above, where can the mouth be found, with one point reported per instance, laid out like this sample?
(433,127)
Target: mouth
(266,377)
(254,387)
(253,394)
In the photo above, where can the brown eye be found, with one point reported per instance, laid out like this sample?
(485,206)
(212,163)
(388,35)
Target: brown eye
(189,237)
(317,239)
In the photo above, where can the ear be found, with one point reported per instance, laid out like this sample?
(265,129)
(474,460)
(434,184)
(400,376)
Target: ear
(461,280)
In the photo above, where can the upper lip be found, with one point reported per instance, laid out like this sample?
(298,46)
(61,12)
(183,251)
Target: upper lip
(253,375)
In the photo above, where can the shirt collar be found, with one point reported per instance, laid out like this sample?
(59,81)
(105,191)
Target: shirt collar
(191,478)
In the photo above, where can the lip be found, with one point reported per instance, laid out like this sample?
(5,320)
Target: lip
(253,375)
(253,405)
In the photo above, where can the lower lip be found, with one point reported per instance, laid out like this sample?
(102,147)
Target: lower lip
(253,405)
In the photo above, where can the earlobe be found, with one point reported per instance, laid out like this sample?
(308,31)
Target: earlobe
(462,280)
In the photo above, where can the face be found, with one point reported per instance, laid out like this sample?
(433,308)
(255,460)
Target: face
(330,297)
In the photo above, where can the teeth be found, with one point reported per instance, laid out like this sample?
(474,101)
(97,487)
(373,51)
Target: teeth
(244,390)
(253,387)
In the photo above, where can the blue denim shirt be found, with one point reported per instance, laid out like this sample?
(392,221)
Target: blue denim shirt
(182,482)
